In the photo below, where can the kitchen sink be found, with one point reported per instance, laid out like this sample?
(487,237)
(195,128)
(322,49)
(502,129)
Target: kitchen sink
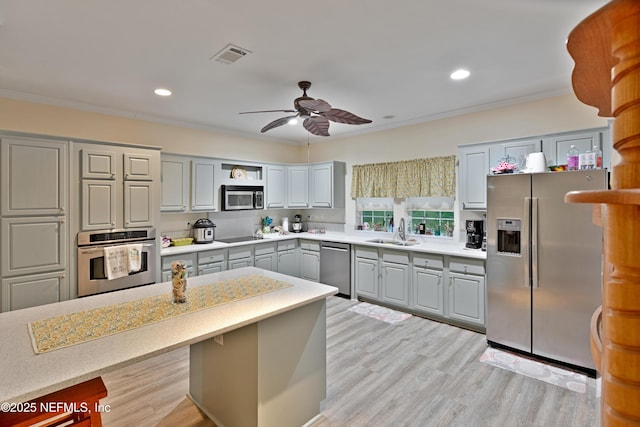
(393,242)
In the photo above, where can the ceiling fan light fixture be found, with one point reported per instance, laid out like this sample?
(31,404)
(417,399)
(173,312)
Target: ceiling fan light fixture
(293,121)
(460,74)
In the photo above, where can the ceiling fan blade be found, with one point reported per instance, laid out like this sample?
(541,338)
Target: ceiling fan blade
(278,122)
(268,111)
(319,105)
(341,116)
(317,125)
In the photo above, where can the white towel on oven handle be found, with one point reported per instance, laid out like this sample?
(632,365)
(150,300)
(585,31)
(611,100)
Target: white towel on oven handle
(135,257)
(116,260)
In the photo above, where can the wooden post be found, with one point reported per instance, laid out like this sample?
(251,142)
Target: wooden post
(606,50)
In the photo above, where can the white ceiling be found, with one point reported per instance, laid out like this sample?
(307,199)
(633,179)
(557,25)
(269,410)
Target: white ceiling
(375,58)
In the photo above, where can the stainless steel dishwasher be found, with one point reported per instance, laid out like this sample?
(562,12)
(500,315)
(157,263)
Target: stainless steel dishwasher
(335,266)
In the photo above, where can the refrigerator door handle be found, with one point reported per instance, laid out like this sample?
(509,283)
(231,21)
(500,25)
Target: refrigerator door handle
(534,242)
(524,239)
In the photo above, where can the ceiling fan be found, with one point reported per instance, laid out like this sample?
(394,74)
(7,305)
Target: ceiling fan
(315,112)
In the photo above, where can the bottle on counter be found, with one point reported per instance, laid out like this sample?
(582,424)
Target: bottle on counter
(586,160)
(597,154)
(572,158)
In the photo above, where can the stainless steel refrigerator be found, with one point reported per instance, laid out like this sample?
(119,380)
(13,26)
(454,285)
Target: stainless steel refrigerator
(544,264)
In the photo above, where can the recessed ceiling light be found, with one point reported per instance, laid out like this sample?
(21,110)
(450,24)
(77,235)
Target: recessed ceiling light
(460,74)
(162,92)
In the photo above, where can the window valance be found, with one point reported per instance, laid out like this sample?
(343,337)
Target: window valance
(430,177)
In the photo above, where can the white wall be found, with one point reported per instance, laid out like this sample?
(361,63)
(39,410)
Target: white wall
(434,138)
(441,137)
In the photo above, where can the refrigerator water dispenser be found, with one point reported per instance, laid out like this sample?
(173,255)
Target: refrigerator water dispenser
(508,238)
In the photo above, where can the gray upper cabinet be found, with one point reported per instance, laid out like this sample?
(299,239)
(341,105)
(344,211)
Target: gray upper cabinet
(472,176)
(276,187)
(138,204)
(99,204)
(203,191)
(516,150)
(117,186)
(99,164)
(188,184)
(298,186)
(34,177)
(138,167)
(556,146)
(326,186)
(175,183)
(476,160)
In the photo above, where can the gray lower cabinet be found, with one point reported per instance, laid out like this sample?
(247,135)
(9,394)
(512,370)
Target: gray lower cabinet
(467,290)
(213,261)
(366,272)
(310,260)
(287,258)
(189,260)
(428,284)
(240,256)
(394,271)
(36,289)
(265,256)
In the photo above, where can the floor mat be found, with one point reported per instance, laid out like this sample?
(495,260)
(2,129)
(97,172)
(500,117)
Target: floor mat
(534,369)
(380,313)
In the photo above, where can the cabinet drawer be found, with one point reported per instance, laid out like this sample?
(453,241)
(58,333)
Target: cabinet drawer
(188,259)
(264,248)
(286,245)
(366,252)
(310,245)
(208,257)
(397,257)
(240,252)
(428,261)
(467,265)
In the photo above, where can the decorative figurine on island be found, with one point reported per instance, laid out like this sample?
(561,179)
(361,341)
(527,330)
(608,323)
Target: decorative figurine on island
(179,281)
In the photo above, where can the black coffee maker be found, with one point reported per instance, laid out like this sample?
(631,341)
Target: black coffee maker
(474,234)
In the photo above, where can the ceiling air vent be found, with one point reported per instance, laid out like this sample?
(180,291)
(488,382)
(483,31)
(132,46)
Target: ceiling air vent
(230,54)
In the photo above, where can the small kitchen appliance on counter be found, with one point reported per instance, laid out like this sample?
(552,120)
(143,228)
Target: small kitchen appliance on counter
(203,231)
(297,225)
(474,234)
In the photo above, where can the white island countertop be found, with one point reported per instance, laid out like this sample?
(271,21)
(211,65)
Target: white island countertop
(26,375)
(425,244)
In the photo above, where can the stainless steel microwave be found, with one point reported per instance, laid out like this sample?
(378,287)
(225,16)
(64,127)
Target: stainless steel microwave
(242,197)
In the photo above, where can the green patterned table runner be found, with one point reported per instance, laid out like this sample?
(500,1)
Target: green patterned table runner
(75,328)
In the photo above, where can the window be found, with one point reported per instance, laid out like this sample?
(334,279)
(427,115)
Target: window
(431,215)
(374,213)
(435,223)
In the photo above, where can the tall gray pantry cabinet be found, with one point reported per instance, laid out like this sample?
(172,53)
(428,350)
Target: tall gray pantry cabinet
(34,207)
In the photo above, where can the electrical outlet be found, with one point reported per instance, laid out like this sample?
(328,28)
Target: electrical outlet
(219,339)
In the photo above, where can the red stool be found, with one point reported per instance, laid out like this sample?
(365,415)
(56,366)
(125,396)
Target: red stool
(84,397)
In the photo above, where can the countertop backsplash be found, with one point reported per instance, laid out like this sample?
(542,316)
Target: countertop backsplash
(244,223)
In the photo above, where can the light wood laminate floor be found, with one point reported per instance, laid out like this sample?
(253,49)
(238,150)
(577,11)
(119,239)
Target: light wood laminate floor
(415,373)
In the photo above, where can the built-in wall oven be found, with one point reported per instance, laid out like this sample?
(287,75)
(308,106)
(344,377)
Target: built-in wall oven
(110,260)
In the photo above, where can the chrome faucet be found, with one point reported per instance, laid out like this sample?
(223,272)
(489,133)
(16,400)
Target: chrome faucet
(401,233)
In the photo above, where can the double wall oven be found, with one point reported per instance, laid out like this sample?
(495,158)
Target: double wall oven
(95,246)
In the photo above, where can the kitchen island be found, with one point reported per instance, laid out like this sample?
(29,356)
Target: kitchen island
(285,329)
